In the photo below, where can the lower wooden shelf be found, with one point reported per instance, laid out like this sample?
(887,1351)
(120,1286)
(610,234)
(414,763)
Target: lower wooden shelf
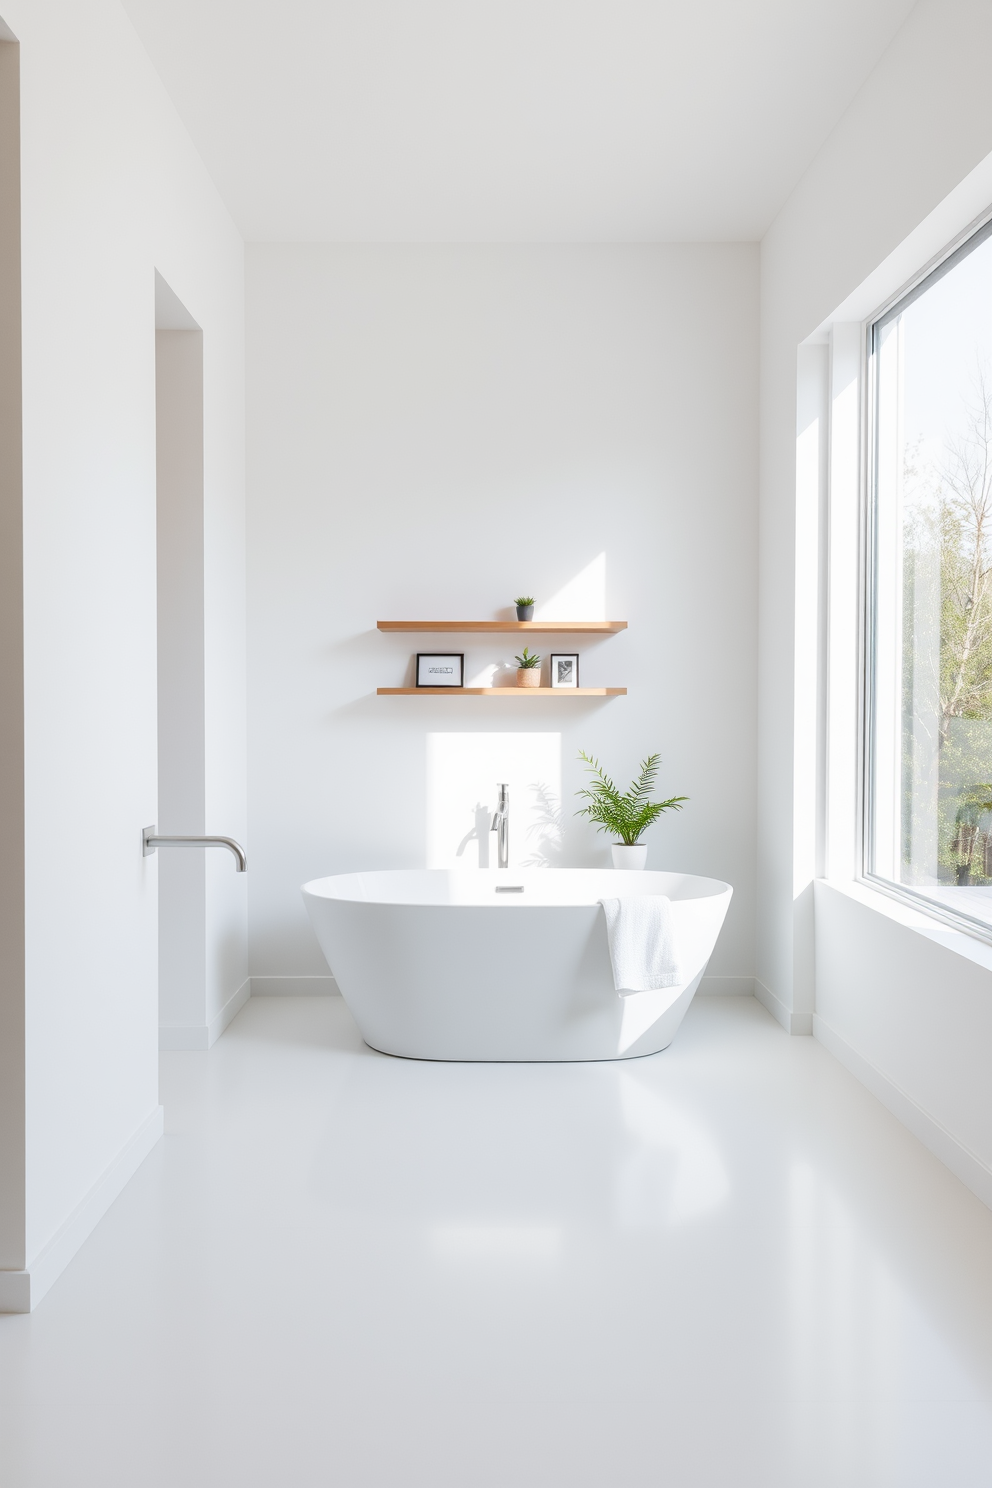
(558,692)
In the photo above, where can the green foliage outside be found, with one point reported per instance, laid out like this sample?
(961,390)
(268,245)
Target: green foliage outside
(947,653)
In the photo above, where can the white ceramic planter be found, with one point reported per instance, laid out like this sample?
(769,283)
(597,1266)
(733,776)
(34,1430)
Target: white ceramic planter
(630,857)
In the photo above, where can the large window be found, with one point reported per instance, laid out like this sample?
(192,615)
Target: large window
(929,663)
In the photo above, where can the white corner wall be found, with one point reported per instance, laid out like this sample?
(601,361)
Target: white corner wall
(12,1110)
(882,196)
(432,431)
(906,1004)
(111,190)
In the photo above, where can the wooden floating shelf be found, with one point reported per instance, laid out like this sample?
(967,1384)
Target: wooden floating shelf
(558,692)
(508,627)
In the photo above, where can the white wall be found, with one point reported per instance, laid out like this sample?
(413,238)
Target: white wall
(869,212)
(906,1004)
(12,1110)
(432,431)
(111,190)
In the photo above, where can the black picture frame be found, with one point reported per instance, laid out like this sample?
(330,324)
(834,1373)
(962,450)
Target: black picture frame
(453,660)
(570,667)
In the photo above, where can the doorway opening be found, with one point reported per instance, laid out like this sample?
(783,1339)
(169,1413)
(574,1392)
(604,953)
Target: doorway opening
(182,880)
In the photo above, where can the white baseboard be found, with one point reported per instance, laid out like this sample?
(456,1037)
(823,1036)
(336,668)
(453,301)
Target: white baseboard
(294,986)
(799,1023)
(726,986)
(204,1035)
(229,1011)
(326,986)
(963,1163)
(21,1291)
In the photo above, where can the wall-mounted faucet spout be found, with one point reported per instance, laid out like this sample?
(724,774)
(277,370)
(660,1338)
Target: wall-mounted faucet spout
(501,823)
(150,841)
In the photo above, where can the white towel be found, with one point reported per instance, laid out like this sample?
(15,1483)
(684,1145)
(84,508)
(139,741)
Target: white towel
(642,942)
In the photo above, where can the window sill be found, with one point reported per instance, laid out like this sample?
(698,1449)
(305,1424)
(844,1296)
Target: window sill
(969,947)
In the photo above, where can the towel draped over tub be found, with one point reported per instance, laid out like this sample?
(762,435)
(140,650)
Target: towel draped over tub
(641,930)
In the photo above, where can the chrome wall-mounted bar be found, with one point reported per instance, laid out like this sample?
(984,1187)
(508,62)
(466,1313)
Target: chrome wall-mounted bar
(150,841)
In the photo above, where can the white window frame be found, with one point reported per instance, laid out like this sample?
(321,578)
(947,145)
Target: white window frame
(941,263)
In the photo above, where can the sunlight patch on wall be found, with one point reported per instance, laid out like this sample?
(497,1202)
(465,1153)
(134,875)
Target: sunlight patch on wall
(463,771)
(582,598)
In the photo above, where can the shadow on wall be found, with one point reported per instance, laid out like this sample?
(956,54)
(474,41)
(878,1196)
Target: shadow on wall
(543,834)
(479,833)
(546,830)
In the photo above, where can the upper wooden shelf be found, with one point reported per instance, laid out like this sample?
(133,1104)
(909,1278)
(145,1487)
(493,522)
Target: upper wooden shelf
(531,692)
(507,627)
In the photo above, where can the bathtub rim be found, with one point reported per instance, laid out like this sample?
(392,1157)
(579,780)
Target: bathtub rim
(709,888)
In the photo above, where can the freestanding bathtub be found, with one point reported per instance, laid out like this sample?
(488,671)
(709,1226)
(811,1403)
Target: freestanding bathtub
(504,965)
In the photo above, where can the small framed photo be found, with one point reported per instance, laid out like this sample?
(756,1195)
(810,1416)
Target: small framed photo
(564,669)
(446,669)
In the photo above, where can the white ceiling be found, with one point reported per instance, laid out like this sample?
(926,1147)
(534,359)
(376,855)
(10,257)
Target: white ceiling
(511,120)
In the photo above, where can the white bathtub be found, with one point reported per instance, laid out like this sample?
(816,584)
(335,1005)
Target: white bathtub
(440,965)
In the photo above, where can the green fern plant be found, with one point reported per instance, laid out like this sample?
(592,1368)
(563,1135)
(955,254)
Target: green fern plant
(528,660)
(625,814)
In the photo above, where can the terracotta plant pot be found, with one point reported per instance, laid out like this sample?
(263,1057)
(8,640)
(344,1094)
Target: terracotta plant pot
(630,857)
(528,676)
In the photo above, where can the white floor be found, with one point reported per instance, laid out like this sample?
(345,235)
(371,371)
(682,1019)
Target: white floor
(724,1265)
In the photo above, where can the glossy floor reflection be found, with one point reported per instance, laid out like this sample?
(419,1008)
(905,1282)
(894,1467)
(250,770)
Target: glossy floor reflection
(723,1265)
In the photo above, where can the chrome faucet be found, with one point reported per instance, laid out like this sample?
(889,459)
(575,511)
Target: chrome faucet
(501,823)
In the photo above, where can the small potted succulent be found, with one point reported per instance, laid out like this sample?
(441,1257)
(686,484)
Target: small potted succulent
(525,607)
(625,815)
(528,669)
